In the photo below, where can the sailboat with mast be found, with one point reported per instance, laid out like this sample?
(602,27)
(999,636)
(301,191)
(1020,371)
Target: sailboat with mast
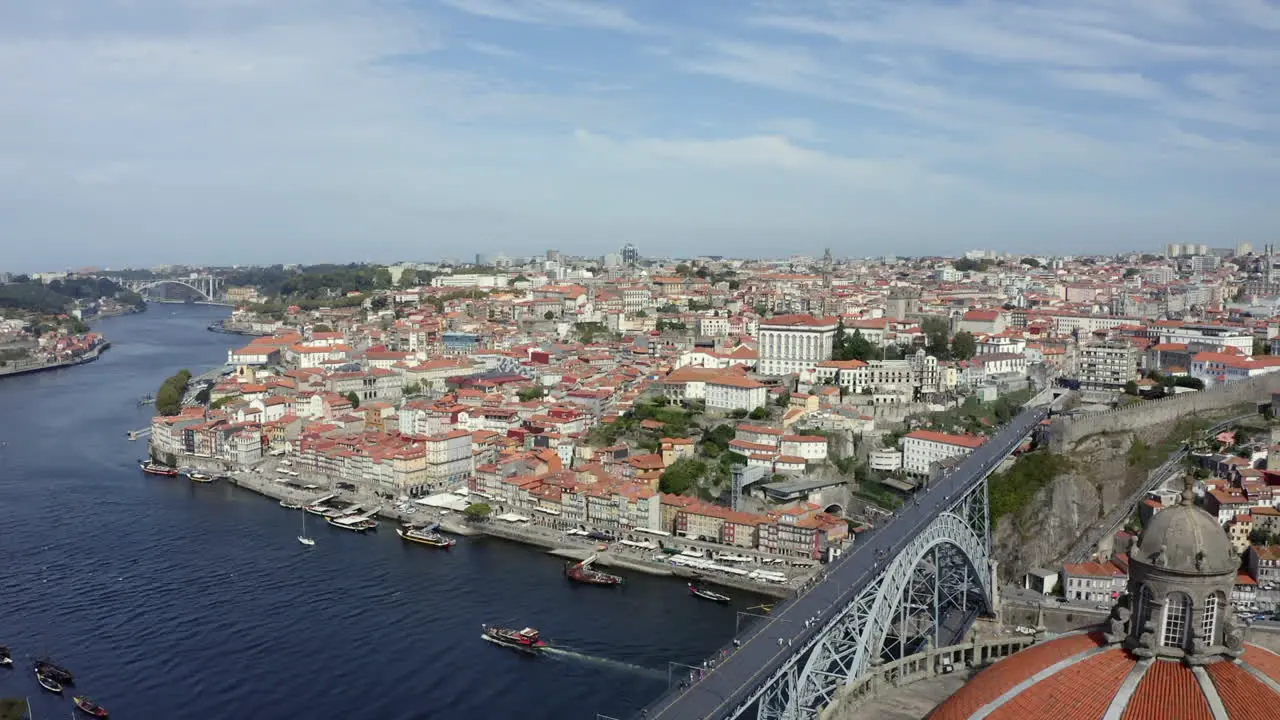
(303,537)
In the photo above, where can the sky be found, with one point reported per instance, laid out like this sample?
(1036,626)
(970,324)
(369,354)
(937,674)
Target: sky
(139,132)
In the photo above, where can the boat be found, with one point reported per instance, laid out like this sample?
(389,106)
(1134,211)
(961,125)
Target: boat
(426,537)
(155,468)
(200,477)
(583,572)
(303,537)
(89,707)
(355,524)
(48,683)
(290,505)
(706,594)
(6,657)
(525,640)
(57,672)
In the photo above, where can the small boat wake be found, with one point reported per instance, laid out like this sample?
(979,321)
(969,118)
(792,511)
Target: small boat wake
(617,664)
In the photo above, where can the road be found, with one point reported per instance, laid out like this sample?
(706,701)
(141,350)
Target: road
(766,646)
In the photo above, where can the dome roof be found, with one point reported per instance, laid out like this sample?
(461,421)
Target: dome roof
(1186,539)
(1080,676)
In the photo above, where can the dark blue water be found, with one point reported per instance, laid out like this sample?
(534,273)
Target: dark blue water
(173,600)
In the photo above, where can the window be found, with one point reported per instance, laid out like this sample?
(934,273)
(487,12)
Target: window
(1141,611)
(1209,618)
(1176,611)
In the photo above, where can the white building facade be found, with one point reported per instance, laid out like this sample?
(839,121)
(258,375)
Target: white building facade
(792,344)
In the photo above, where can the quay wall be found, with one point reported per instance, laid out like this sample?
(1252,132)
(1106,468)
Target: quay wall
(17,368)
(1068,430)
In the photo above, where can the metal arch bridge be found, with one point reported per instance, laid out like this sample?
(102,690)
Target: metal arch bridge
(923,576)
(208,286)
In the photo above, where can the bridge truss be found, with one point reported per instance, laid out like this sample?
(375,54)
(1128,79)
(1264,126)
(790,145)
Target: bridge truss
(930,591)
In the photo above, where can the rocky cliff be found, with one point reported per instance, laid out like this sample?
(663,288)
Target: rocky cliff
(1104,469)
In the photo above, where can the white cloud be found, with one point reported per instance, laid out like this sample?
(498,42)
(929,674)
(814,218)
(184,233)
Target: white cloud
(1122,84)
(583,13)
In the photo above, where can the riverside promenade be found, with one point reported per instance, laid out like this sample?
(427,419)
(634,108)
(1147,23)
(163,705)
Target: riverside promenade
(18,367)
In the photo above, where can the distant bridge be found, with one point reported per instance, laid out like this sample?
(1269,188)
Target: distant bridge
(920,578)
(209,287)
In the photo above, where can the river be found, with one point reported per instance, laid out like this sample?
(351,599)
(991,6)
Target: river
(175,600)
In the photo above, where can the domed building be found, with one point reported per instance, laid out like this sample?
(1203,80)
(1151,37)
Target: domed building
(1172,648)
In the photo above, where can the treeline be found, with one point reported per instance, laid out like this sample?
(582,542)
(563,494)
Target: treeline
(169,396)
(23,293)
(319,282)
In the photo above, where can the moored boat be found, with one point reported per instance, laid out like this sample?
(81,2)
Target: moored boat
(48,683)
(525,640)
(6,657)
(426,537)
(290,505)
(583,572)
(706,594)
(200,477)
(154,468)
(89,707)
(355,524)
(52,670)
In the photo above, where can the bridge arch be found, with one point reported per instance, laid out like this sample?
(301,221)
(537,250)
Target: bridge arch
(141,287)
(959,555)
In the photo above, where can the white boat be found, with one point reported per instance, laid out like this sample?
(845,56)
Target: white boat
(303,537)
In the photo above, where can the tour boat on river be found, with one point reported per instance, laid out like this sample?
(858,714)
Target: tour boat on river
(525,640)
(355,523)
(426,536)
(154,468)
(583,572)
(706,594)
(200,477)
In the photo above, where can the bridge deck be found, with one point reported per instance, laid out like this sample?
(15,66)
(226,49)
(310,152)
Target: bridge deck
(767,645)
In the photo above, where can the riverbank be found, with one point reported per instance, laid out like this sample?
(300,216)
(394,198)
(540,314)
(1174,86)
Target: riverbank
(221,326)
(20,368)
(574,548)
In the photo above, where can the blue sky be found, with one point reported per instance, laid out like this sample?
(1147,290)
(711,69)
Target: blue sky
(150,131)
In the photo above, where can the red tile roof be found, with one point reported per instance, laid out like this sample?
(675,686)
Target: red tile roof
(1167,686)
(1244,697)
(1083,690)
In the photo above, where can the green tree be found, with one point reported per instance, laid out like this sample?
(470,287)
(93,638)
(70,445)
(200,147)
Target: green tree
(1031,262)
(321,328)
(532,393)
(963,346)
(1131,388)
(517,279)
(549,315)
(354,399)
(409,277)
(477,511)
(683,269)
(413,388)
(382,278)
(169,396)
(758,414)
(682,475)
(937,330)
(1131,272)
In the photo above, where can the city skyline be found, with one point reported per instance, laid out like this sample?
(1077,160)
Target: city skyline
(244,131)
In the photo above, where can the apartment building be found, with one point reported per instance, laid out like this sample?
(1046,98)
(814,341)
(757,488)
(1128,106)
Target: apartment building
(1107,365)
